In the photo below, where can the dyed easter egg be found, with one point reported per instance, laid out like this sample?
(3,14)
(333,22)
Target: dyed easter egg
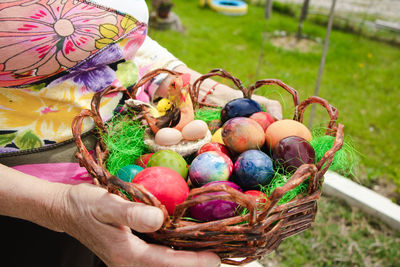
(214,146)
(258,196)
(168,136)
(285,128)
(165,184)
(143,159)
(127,172)
(195,130)
(263,118)
(215,209)
(169,159)
(291,152)
(217,137)
(239,107)
(210,166)
(241,134)
(253,168)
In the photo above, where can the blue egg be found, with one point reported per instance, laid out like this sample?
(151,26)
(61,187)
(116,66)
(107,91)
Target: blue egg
(127,172)
(253,168)
(239,107)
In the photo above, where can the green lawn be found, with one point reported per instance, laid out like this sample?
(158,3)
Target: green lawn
(361,76)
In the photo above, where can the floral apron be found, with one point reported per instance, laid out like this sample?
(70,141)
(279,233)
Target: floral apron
(54,55)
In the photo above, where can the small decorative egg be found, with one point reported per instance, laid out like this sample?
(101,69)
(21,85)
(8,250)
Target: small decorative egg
(217,137)
(240,134)
(239,107)
(127,172)
(210,166)
(169,159)
(253,168)
(263,118)
(195,130)
(291,152)
(285,128)
(168,136)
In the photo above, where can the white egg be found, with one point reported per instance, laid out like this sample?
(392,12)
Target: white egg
(168,136)
(195,130)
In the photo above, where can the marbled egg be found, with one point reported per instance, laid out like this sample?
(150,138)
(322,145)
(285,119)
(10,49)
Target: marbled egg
(168,137)
(195,130)
(240,134)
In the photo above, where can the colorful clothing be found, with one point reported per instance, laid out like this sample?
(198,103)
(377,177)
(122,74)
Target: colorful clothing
(54,55)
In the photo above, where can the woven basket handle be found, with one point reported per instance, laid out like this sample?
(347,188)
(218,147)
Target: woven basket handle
(301,174)
(214,72)
(260,83)
(199,195)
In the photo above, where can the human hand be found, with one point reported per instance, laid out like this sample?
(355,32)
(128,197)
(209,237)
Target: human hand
(103,221)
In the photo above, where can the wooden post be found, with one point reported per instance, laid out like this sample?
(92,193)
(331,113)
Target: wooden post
(267,15)
(303,16)
(322,64)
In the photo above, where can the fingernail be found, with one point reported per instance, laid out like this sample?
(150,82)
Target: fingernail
(151,218)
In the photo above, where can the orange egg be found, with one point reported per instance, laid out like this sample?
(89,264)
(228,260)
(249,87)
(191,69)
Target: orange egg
(285,128)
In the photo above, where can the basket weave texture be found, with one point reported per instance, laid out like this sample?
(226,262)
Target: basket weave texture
(249,236)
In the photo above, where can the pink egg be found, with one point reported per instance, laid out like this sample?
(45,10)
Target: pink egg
(241,134)
(263,118)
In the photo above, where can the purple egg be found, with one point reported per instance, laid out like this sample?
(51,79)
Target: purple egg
(253,168)
(215,209)
(293,151)
(210,166)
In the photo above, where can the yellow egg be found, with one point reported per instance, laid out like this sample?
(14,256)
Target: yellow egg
(217,137)
(195,130)
(285,128)
(168,137)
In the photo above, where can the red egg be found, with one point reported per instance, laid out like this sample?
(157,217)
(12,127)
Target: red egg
(214,146)
(259,196)
(263,118)
(143,159)
(165,184)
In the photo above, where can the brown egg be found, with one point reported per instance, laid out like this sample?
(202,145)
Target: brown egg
(285,128)
(195,130)
(168,137)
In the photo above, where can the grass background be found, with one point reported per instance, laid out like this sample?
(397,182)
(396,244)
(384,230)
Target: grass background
(361,79)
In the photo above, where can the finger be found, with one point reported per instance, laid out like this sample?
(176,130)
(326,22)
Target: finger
(155,255)
(139,217)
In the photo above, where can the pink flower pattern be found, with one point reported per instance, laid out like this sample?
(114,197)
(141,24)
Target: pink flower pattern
(41,38)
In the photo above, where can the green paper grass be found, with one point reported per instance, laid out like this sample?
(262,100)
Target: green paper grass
(279,180)
(125,141)
(345,159)
(208,114)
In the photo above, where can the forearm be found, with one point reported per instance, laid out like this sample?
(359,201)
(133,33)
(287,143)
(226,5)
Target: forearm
(29,198)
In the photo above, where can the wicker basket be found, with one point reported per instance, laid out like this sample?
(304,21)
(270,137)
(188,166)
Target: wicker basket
(247,236)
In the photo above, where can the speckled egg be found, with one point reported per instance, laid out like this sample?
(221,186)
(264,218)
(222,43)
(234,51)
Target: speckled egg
(168,136)
(195,130)
(241,134)
(285,128)
(210,166)
(253,168)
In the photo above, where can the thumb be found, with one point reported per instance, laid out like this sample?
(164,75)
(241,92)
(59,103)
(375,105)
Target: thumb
(138,216)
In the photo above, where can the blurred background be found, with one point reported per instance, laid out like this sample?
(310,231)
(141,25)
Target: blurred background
(360,76)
